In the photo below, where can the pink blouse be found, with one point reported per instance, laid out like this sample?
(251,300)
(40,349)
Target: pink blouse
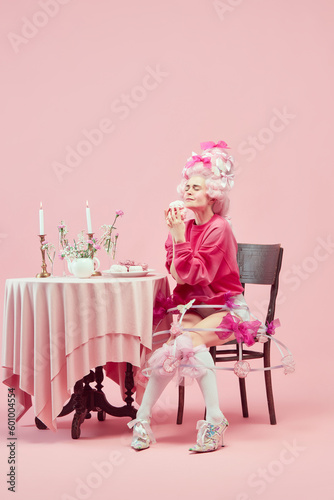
(206,262)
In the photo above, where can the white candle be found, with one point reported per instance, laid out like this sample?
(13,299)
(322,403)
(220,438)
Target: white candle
(41,219)
(89,220)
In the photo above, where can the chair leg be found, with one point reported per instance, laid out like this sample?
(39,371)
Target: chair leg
(243,395)
(270,397)
(181,403)
(268,382)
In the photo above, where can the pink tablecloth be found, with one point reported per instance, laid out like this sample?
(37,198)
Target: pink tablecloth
(57,329)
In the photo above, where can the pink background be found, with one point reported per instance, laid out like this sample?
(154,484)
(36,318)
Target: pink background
(257,74)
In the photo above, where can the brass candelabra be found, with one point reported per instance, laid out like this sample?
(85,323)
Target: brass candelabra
(44,273)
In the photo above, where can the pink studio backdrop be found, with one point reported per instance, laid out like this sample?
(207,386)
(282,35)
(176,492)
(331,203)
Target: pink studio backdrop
(104,101)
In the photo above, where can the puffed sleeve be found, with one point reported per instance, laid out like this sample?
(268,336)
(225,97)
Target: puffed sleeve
(169,251)
(201,266)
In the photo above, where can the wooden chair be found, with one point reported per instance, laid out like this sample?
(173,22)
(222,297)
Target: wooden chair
(260,265)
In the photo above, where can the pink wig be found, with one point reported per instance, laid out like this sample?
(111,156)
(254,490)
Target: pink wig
(217,168)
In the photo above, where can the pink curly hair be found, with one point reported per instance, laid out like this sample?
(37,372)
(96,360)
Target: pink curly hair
(218,181)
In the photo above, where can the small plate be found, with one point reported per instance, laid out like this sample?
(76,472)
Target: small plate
(127,274)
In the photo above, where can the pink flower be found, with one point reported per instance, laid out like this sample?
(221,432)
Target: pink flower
(97,247)
(288,363)
(61,226)
(242,368)
(61,256)
(119,213)
(90,242)
(175,329)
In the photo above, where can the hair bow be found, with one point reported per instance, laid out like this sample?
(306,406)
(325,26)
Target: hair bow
(228,180)
(197,159)
(211,144)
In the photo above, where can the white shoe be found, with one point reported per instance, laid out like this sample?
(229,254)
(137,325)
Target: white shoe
(209,436)
(142,434)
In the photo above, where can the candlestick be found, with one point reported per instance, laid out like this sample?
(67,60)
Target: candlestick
(90,246)
(89,220)
(44,273)
(41,219)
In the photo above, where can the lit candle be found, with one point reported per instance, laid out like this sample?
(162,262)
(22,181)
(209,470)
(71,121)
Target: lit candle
(41,219)
(89,220)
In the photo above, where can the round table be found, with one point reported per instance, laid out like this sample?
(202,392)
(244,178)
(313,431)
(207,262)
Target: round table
(57,329)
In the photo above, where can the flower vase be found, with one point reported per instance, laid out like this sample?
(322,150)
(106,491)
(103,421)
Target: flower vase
(111,260)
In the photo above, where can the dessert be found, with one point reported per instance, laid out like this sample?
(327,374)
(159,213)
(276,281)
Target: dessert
(132,266)
(179,204)
(117,268)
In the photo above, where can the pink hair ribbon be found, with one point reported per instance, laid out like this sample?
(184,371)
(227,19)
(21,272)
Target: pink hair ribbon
(211,144)
(197,159)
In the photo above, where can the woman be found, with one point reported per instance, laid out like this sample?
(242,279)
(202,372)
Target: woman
(201,257)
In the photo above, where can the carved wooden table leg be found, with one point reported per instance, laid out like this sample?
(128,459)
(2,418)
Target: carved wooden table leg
(129,385)
(80,409)
(101,414)
(68,408)
(101,402)
(39,424)
(86,399)
(88,393)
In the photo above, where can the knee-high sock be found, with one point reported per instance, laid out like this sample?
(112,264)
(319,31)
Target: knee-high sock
(156,385)
(208,385)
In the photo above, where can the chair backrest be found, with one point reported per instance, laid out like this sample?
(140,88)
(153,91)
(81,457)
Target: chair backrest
(261,264)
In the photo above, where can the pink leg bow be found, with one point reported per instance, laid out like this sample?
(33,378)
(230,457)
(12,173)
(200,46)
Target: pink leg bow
(244,331)
(165,359)
(271,327)
(161,305)
(190,366)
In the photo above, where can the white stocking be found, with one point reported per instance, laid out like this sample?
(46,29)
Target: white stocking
(208,385)
(156,385)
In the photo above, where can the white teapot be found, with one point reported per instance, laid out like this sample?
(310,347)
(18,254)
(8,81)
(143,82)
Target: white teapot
(83,267)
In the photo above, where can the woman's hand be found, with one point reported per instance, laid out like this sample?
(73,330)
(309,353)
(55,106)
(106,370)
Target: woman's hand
(176,225)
